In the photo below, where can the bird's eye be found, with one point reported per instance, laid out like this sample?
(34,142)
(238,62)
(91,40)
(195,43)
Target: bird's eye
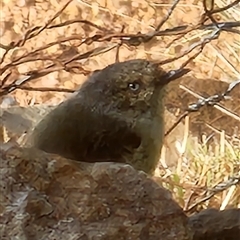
(134,86)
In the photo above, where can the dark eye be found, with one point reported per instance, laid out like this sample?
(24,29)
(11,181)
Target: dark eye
(134,86)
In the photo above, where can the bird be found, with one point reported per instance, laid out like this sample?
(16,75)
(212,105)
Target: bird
(117,115)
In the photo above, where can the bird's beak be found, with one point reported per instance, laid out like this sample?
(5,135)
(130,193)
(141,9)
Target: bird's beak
(173,75)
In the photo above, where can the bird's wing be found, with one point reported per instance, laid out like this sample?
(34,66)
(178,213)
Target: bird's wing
(103,136)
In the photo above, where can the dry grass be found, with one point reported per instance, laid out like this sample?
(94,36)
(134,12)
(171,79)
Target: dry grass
(194,181)
(204,177)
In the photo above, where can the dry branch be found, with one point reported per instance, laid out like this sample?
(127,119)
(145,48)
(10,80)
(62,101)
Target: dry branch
(71,63)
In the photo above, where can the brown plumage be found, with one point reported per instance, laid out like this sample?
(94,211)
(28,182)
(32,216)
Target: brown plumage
(116,115)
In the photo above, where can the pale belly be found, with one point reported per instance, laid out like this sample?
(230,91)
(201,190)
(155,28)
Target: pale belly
(146,157)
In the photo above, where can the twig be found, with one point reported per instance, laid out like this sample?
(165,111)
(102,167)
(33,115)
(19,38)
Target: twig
(213,100)
(235,180)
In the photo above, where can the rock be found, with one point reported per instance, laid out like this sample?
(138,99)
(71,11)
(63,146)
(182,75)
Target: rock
(44,196)
(211,224)
(16,121)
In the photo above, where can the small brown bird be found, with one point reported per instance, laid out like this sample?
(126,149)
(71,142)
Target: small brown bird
(116,116)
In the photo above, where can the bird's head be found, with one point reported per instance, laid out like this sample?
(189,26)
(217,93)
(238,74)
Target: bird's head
(130,86)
